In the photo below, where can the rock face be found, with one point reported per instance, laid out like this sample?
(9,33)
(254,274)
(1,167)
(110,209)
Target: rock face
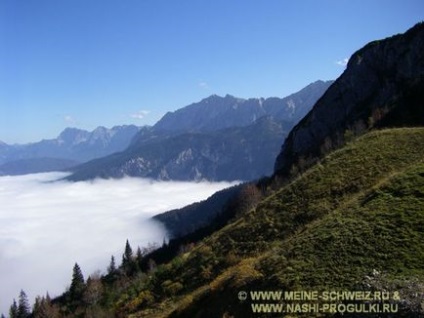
(382,86)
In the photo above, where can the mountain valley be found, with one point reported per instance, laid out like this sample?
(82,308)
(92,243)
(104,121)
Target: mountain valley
(341,210)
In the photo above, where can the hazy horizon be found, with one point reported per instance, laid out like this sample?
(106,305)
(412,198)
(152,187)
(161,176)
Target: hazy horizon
(48,226)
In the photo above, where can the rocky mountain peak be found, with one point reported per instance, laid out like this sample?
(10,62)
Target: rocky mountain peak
(216,112)
(72,144)
(73,136)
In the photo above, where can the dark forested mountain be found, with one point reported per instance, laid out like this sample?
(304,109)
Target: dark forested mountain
(72,146)
(188,219)
(382,86)
(219,138)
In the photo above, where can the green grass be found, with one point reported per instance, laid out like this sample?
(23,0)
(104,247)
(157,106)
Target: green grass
(341,177)
(381,230)
(359,211)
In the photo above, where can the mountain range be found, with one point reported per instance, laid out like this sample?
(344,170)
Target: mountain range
(219,138)
(72,147)
(343,213)
(217,113)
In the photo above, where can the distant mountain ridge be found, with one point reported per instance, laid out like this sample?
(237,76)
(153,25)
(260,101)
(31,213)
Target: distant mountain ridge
(72,146)
(219,138)
(215,112)
(228,154)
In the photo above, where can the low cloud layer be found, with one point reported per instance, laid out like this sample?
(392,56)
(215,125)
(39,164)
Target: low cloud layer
(45,227)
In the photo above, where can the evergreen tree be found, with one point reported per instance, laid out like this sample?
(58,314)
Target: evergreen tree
(129,264)
(128,254)
(36,308)
(13,311)
(112,266)
(77,284)
(23,306)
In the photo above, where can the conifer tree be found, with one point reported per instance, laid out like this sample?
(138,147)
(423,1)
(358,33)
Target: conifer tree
(128,254)
(23,306)
(129,264)
(112,266)
(77,284)
(13,311)
(37,307)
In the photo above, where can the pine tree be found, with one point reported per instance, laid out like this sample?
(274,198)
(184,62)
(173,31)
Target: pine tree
(77,284)
(128,254)
(129,263)
(23,306)
(112,266)
(36,308)
(13,311)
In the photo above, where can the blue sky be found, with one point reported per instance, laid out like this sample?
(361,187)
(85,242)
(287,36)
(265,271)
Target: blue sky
(85,63)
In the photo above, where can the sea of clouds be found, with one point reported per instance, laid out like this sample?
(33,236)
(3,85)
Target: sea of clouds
(46,226)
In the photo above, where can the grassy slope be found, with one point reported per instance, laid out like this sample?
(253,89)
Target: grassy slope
(359,210)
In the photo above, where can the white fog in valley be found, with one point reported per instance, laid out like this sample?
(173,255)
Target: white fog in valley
(45,227)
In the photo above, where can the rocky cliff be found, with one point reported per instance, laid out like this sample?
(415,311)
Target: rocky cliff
(382,86)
